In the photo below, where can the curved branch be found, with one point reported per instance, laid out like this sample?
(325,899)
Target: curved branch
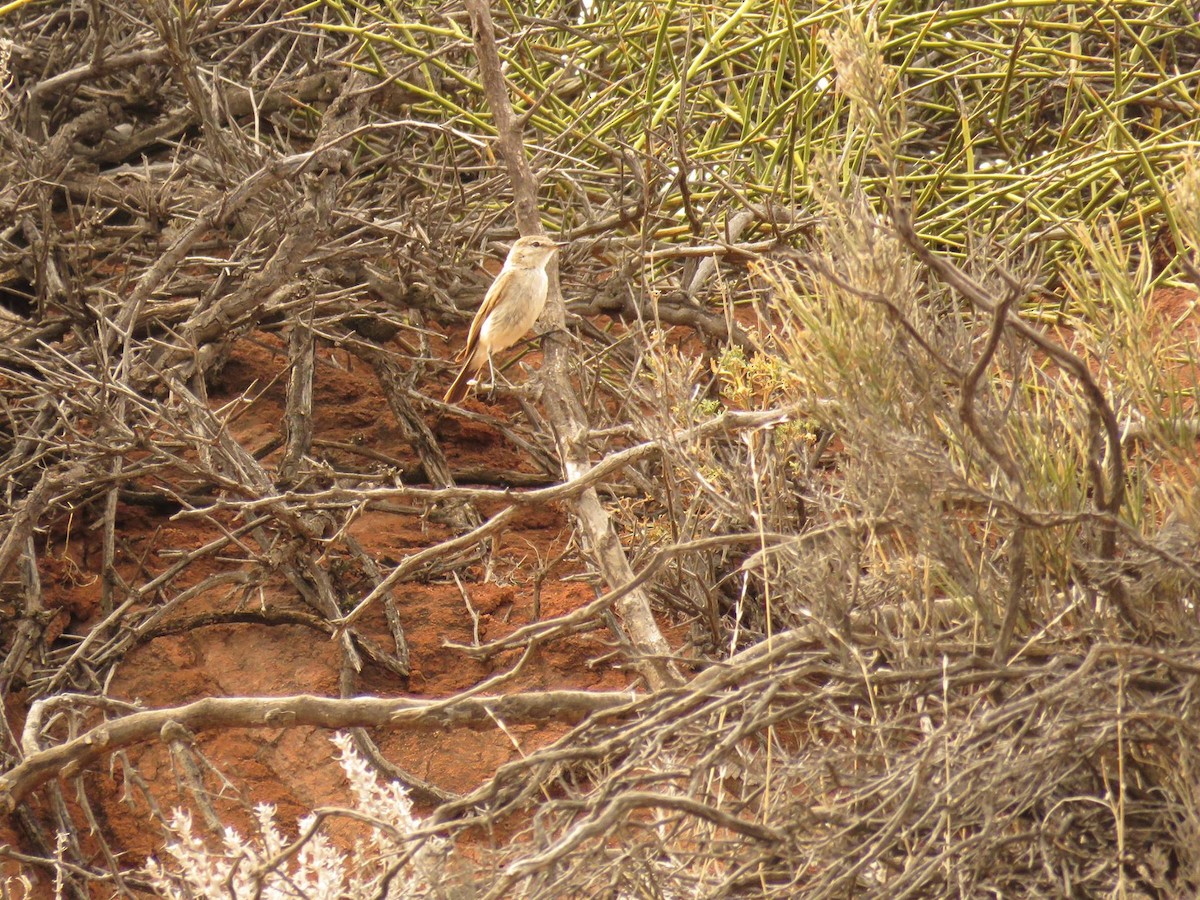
(283,712)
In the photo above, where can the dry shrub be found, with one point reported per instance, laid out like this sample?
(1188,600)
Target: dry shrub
(885,748)
(927,654)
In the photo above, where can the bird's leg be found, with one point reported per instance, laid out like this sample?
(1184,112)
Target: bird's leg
(491,377)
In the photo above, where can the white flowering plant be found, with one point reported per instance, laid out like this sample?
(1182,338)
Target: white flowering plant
(395,860)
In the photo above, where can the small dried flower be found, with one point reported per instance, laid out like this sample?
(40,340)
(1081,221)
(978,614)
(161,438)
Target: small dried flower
(862,74)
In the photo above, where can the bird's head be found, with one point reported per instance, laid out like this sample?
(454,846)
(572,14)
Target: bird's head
(533,251)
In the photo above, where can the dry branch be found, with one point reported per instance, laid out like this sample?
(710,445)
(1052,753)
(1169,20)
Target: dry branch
(847,729)
(477,713)
(565,412)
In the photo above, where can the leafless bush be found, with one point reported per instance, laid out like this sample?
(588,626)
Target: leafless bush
(908,490)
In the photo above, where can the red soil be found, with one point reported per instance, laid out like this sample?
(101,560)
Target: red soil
(295,768)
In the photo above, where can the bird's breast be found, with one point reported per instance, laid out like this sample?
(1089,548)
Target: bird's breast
(516,311)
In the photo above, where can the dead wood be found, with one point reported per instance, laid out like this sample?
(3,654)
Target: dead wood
(279,712)
(885,677)
(565,411)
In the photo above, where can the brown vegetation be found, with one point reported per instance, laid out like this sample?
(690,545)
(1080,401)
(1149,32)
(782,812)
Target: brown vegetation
(837,534)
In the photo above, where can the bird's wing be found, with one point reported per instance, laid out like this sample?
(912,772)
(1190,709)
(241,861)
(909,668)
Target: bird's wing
(490,299)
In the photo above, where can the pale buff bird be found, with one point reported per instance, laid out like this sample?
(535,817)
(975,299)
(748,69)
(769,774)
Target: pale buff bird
(509,309)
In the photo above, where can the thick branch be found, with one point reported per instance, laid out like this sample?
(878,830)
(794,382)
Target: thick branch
(562,406)
(278,712)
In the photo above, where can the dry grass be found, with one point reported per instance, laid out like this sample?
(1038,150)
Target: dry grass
(941,602)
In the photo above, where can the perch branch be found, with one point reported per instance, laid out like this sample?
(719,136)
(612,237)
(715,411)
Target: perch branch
(562,406)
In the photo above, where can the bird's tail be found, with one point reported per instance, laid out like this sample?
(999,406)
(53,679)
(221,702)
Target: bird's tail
(458,390)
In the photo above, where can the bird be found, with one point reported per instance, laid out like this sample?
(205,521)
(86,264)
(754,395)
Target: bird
(509,309)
